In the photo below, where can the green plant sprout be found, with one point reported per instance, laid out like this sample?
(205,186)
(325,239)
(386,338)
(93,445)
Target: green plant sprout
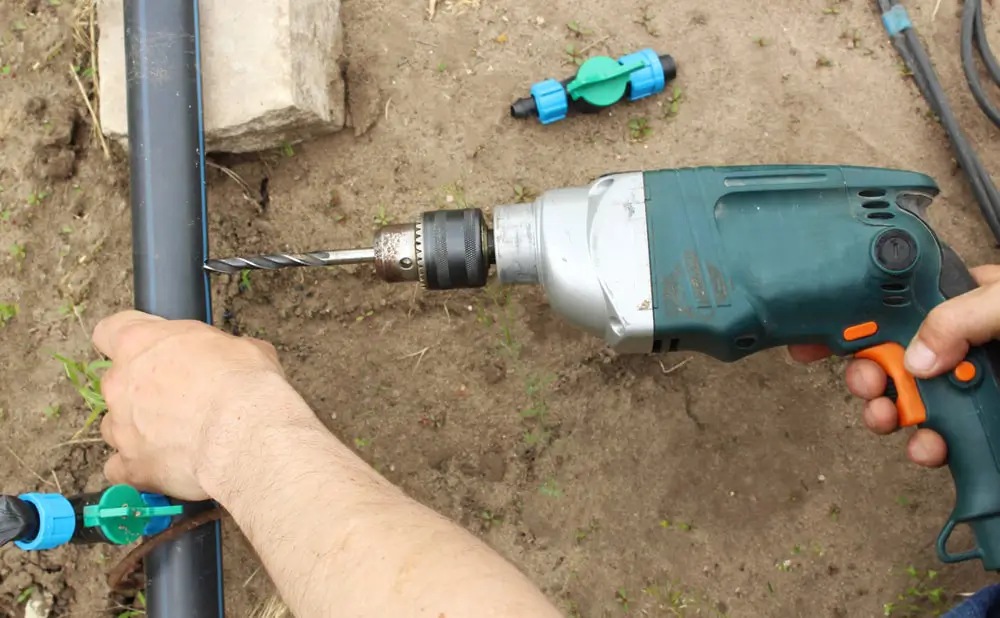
(245,280)
(7,313)
(551,489)
(674,102)
(34,199)
(523,194)
(578,30)
(381,217)
(25,594)
(86,379)
(574,55)
(639,129)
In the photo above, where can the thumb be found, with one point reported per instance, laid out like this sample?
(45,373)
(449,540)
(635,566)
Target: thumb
(951,328)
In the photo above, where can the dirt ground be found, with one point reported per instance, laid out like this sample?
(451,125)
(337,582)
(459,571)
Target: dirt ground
(749,489)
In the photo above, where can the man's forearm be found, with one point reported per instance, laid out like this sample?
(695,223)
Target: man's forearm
(340,540)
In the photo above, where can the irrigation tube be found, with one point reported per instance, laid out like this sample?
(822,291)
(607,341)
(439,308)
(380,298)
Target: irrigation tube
(169,246)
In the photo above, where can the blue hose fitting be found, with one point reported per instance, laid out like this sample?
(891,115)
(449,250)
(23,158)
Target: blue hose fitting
(56,521)
(551,103)
(599,83)
(647,81)
(158,523)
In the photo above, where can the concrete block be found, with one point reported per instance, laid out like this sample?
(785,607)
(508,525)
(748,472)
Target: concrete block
(270,71)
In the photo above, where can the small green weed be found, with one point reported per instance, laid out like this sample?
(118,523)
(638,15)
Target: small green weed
(674,102)
(453,196)
(646,21)
(834,512)
(442,67)
(7,313)
(578,30)
(362,442)
(676,525)
(760,41)
(551,489)
(539,410)
(853,38)
(25,594)
(18,26)
(903,501)
(51,411)
(832,10)
(84,72)
(824,62)
(17,252)
(500,296)
(583,533)
(381,217)
(490,519)
(287,150)
(86,379)
(622,597)
(5,70)
(364,316)
(523,194)
(919,599)
(36,198)
(138,609)
(639,129)
(245,285)
(574,55)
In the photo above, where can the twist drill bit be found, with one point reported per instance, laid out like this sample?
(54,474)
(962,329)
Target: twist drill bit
(233,265)
(444,250)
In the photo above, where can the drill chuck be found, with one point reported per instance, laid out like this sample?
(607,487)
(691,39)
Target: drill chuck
(444,250)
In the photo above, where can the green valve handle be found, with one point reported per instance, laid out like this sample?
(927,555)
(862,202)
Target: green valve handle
(749,258)
(122,514)
(601,81)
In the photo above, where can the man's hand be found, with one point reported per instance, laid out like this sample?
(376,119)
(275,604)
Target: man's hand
(181,397)
(941,343)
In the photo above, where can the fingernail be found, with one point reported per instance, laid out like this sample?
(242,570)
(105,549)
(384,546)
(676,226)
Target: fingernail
(918,452)
(919,358)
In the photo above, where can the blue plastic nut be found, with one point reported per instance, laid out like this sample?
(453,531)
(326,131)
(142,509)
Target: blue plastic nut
(648,80)
(160,523)
(56,521)
(550,100)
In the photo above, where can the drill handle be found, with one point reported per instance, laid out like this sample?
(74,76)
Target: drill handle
(963,406)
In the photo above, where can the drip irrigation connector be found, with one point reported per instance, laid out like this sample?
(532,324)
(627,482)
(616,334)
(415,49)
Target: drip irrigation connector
(119,515)
(599,83)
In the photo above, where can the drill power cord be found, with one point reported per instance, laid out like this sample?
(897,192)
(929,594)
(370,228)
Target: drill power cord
(974,43)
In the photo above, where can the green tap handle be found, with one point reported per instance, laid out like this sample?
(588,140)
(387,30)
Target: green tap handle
(749,258)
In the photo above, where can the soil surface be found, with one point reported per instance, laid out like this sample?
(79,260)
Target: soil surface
(621,487)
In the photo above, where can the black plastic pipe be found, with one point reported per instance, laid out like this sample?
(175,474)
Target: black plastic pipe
(169,246)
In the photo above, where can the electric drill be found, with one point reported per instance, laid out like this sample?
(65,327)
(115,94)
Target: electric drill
(729,261)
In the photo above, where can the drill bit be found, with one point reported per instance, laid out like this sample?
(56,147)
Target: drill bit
(233,265)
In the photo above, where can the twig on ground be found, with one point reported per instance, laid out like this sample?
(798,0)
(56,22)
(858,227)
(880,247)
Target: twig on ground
(75,442)
(249,194)
(592,45)
(419,354)
(431,9)
(93,114)
(26,466)
(675,367)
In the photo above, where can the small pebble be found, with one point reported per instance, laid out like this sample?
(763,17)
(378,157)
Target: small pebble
(820,478)
(540,20)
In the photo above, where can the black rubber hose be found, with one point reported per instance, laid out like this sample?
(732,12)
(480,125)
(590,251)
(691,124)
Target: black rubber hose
(169,242)
(975,43)
(911,50)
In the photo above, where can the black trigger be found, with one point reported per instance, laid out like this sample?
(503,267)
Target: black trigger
(890,389)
